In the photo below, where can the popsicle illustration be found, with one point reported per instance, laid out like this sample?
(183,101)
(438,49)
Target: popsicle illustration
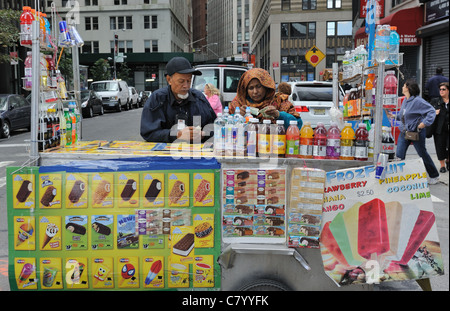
(350,217)
(423,225)
(77,191)
(50,232)
(399,232)
(154,270)
(27,269)
(327,239)
(373,236)
(128,190)
(24,192)
(48,196)
(25,232)
(339,231)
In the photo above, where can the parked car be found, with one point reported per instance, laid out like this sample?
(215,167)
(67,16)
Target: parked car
(313,100)
(224,77)
(15,113)
(134,97)
(91,104)
(143,96)
(115,94)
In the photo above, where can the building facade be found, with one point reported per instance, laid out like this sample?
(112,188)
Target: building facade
(283,31)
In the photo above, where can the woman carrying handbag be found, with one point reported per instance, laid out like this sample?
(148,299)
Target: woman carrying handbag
(441,131)
(416,114)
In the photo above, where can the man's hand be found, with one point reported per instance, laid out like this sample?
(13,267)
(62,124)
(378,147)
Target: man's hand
(191,134)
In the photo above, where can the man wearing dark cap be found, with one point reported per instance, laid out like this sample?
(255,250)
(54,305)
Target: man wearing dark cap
(176,104)
(433,84)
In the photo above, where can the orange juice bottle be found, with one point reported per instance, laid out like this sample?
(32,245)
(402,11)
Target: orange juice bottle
(347,142)
(306,141)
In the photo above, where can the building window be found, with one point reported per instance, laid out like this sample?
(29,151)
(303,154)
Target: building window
(119,2)
(334,4)
(298,30)
(309,4)
(90,2)
(342,28)
(150,46)
(91,23)
(122,46)
(90,47)
(120,22)
(285,5)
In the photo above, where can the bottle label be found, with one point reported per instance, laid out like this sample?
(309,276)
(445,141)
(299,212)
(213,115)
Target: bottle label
(279,144)
(251,144)
(346,151)
(292,147)
(306,150)
(319,151)
(361,152)
(263,144)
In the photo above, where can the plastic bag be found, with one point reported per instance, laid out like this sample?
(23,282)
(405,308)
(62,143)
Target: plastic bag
(337,116)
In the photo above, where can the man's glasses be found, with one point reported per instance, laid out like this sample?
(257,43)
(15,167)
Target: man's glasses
(442,89)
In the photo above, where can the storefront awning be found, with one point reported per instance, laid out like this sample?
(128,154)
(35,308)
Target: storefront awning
(407,22)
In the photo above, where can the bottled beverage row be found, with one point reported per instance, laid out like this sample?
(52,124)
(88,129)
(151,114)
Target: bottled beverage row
(235,135)
(68,34)
(386,49)
(59,127)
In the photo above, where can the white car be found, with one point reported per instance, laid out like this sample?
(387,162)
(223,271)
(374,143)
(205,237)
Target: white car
(313,100)
(134,97)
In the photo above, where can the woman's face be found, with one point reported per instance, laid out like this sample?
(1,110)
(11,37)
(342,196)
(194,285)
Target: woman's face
(256,91)
(405,89)
(443,91)
(206,91)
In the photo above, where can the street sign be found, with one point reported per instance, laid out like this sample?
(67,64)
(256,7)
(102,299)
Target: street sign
(314,56)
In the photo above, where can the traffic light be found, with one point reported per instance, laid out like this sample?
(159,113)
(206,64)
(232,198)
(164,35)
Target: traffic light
(116,37)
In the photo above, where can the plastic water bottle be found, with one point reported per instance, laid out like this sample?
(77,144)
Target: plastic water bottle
(371,146)
(320,142)
(26,19)
(390,97)
(229,147)
(78,120)
(252,138)
(346,65)
(382,43)
(239,132)
(28,81)
(394,47)
(247,115)
(219,135)
(333,142)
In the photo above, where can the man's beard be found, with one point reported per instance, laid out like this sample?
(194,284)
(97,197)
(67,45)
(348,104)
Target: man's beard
(180,96)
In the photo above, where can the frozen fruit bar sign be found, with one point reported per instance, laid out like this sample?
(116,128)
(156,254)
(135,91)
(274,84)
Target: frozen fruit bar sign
(379,230)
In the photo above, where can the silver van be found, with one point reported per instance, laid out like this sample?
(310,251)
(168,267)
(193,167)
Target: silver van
(114,93)
(224,77)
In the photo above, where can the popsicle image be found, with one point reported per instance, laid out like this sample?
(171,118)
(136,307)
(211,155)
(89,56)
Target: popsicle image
(24,191)
(77,191)
(423,225)
(400,230)
(153,272)
(50,232)
(48,196)
(339,231)
(25,232)
(27,269)
(101,191)
(176,192)
(128,190)
(373,236)
(328,240)
(350,217)
(153,190)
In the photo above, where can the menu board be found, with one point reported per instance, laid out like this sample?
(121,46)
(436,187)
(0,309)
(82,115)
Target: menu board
(254,205)
(132,227)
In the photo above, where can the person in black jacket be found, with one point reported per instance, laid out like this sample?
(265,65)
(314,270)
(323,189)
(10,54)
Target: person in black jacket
(176,104)
(441,131)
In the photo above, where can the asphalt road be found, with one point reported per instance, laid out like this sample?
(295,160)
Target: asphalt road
(125,126)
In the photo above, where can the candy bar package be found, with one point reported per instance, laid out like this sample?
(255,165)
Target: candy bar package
(378,230)
(305,208)
(254,205)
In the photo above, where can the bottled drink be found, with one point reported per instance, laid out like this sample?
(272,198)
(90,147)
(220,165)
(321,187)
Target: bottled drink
(239,138)
(62,127)
(306,141)
(44,71)
(219,135)
(264,139)
(51,80)
(47,31)
(390,97)
(382,43)
(278,140)
(78,118)
(42,130)
(388,143)
(347,142)
(68,127)
(26,19)
(49,122)
(394,46)
(371,141)
(333,142)
(252,138)
(352,102)
(358,100)
(361,143)
(292,140)
(368,90)
(28,71)
(73,119)
(247,115)
(346,69)
(320,142)
(352,63)
(42,32)
(57,128)
(229,147)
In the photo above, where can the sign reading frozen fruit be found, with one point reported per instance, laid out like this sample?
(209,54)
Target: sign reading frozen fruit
(379,230)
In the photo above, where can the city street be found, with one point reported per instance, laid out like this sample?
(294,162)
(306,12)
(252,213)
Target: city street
(125,126)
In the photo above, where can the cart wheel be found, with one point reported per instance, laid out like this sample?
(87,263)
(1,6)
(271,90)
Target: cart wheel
(264,285)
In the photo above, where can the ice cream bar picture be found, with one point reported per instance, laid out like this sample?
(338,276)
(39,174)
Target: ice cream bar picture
(77,191)
(48,196)
(26,231)
(101,228)
(76,228)
(184,246)
(153,190)
(50,232)
(373,236)
(328,240)
(153,272)
(101,191)
(202,190)
(27,270)
(24,191)
(176,192)
(128,190)
(338,229)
